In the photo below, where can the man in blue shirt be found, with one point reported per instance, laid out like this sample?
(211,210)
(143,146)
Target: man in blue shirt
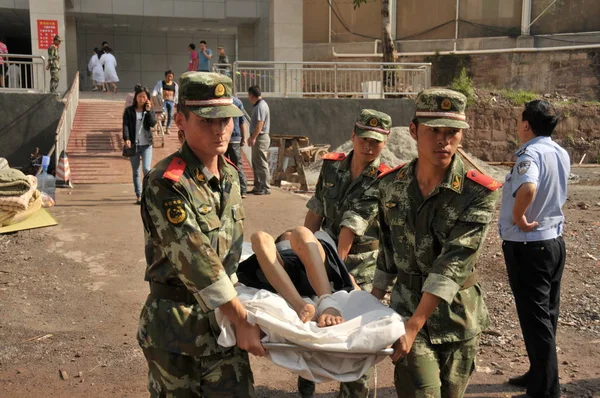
(531,223)
(237,141)
(204,56)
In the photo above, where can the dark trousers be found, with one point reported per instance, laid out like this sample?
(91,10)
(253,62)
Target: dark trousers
(534,272)
(234,153)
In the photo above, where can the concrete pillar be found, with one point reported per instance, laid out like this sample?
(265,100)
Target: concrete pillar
(286,43)
(526,18)
(70,44)
(53,10)
(285,30)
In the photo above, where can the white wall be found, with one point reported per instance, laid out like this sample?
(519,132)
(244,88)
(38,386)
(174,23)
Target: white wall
(144,59)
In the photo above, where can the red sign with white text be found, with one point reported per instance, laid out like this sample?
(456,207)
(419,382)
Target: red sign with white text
(46,29)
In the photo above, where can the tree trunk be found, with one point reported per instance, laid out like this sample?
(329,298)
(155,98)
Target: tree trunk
(387,44)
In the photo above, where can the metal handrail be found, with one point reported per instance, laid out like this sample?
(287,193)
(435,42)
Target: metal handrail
(27,74)
(331,79)
(65,124)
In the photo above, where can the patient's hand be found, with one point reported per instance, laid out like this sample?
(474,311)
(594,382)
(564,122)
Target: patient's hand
(307,313)
(330,317)
(354,284)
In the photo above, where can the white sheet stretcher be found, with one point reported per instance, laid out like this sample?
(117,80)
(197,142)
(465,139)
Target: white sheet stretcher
(369,327)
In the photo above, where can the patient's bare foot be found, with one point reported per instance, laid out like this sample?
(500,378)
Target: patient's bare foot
(307,313)
(330,317)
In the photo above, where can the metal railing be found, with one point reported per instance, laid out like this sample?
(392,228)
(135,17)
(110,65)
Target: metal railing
(20,72)
(65,124)
(329,79)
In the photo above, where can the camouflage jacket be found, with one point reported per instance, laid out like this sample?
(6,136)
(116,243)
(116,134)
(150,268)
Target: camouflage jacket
(439,239)
(194,235)
(338,201)
(53,57)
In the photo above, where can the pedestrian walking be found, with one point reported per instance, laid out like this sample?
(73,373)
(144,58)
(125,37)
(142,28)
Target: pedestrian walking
(260,140)
(204,56)
(237,141)
(193,223)
(54,63)
(434,216)
(168,90)
(338,209)
(138,120)
(96,70)
(193,65)
(531,224)
(109,62)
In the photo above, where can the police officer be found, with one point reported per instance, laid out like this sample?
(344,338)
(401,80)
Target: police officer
(193,215)
(54,63)
(434,216)
(336,209)
(531,223)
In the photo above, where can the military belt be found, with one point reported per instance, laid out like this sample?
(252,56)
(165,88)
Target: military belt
(364,247)
(415,282)
(177,293)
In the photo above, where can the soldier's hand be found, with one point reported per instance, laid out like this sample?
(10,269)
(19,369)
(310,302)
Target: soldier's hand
(127,144)
(248,338)
(251,141)
(404,344)
(242,141)
(525,225)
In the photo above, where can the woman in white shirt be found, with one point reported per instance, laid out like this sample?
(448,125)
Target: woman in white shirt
(110,68)
(95,68)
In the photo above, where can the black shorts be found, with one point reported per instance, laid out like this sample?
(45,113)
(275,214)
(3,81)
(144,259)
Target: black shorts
(250,274)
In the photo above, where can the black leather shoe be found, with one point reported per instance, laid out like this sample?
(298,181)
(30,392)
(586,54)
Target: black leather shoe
(265,192)
(522,396)
(520,381)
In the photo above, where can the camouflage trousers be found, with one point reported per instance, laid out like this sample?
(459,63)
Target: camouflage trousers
(436,370)
(362,267)
(351,389)
(181,376)
(54,74)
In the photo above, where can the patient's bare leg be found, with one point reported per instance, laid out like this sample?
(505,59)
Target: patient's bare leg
(271,264)
(311,253)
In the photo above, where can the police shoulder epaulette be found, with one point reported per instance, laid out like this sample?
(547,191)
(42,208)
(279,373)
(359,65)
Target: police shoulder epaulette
(230,162)
(383,168)
(175,169)
(334,156)
(390,171)
(484,180)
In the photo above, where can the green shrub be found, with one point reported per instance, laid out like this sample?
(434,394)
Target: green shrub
(518,97)
(463,84)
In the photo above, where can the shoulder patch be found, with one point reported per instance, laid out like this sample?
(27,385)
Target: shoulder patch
(484,180)
(390,170)
(383,168)
(175,169)
(334,156)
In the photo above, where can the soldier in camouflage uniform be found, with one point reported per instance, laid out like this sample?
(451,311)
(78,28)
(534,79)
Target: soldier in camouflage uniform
(54,63)
(336,209)
(434,216)
(192,213)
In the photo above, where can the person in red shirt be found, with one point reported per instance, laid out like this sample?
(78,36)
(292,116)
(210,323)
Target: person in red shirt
(3,65)
(193,66)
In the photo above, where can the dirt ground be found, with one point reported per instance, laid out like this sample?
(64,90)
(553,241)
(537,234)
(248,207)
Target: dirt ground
(70,298)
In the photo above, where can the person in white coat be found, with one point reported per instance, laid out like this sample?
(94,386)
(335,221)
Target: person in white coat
(110,69)
(96,70)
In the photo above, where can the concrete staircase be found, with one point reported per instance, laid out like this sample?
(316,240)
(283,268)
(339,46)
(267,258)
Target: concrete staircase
(95,145)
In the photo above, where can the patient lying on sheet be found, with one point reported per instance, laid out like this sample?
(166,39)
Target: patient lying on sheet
(299,263)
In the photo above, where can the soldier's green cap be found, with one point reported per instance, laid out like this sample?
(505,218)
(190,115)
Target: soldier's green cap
(438,107)
(207,95)
(57,37)
(373,124)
